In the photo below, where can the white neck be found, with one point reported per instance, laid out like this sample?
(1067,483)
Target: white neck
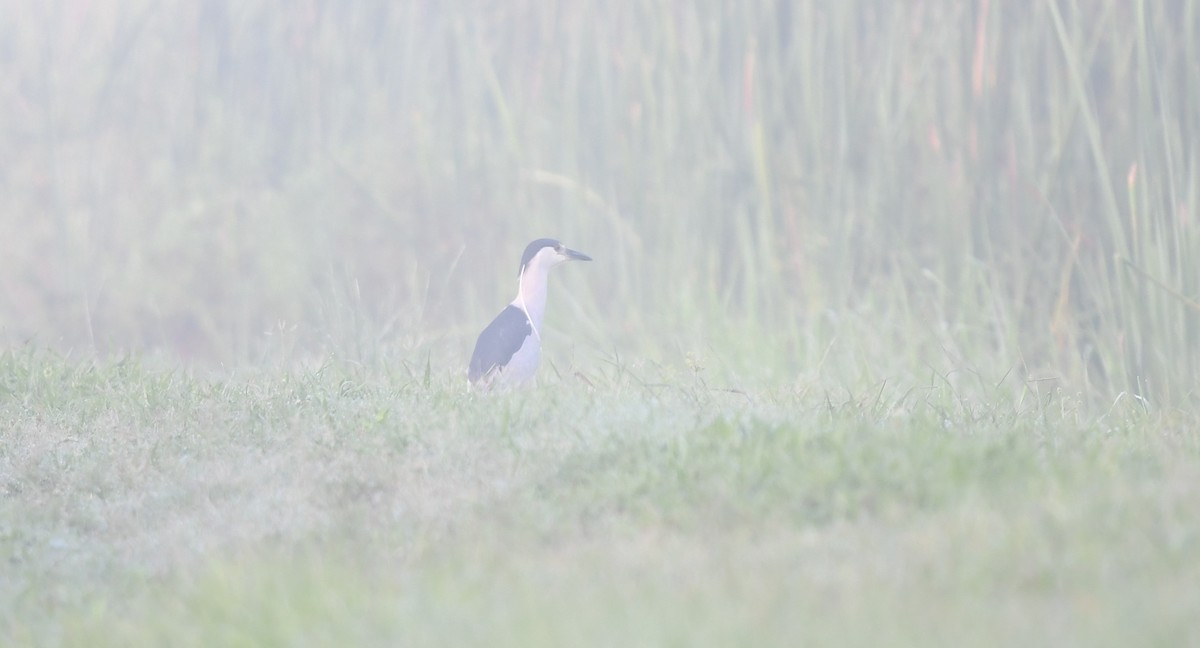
(531,289)
(531,294)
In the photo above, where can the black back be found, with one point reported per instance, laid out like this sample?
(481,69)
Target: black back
(532,249)
(499,341)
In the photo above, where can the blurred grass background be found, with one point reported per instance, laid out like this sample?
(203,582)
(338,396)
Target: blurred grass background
(866,188)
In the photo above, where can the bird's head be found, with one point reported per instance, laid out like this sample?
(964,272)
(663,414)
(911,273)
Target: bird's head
(544,254)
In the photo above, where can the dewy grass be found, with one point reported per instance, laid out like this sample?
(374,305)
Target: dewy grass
(892,318)
(146,506)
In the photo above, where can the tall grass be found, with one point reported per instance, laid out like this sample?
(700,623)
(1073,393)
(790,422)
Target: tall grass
(861,189)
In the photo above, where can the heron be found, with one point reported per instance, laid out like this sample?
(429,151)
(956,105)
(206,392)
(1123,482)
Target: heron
(508,351)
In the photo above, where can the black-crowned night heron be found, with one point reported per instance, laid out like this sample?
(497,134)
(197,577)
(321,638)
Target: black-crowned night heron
(507,351)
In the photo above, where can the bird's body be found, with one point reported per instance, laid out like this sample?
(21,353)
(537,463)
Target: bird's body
(508,351)
(505,345)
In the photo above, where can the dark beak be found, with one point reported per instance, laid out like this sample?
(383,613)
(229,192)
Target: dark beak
(576,256)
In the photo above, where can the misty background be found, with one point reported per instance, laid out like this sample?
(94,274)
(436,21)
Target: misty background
(781,191)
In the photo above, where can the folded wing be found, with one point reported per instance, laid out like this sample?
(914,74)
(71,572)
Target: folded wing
(499,342)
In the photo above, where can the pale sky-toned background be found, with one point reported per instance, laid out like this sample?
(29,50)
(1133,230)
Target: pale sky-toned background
(987,184)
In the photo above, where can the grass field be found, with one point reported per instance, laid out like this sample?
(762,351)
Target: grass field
(342,505)
(892,334)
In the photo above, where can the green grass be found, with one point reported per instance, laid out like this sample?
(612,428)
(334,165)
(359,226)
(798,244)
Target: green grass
(144,506)
(892,335)
(1010,187)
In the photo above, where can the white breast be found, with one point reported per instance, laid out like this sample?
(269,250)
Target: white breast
(523,364)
